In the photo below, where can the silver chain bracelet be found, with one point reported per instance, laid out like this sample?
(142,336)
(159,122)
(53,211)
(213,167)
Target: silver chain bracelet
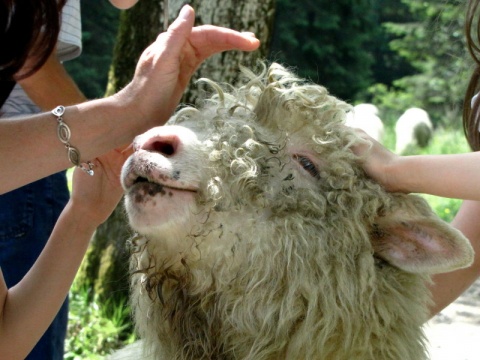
(64,133)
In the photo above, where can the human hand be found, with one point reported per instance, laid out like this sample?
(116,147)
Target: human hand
(377,161)
(95,197)
(166,66)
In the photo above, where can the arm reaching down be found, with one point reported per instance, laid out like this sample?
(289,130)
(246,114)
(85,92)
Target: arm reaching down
(449,286)
(29,307)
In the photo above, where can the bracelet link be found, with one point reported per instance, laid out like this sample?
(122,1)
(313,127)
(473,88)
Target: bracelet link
(64,134)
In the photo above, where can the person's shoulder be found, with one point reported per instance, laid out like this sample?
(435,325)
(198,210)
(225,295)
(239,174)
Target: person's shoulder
(69,44)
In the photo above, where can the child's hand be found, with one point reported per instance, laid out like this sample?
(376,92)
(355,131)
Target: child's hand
(95,197)
(377,161)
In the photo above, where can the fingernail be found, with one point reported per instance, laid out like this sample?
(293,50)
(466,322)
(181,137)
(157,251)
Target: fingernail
(184,13)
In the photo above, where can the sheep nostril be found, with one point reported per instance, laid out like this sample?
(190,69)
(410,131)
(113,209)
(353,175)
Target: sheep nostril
(161,144)
(163,147)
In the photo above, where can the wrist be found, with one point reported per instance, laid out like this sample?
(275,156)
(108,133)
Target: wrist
(134,110)
(82,217)
(146,110)
(109,123)
(403,174)
(392,175)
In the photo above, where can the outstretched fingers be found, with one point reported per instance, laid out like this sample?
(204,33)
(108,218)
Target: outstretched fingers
(205,40)
(209,39)
(173,58)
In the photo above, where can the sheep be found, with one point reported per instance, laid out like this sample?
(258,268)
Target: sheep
(259,236)
(366,117)
(413,128)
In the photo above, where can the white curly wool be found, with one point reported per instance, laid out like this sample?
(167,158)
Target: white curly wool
(261,238)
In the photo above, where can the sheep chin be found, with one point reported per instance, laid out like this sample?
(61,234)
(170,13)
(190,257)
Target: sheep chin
(154,206)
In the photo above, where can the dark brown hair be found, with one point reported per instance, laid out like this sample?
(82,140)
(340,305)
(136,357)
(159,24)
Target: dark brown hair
(471,114)
(28,29)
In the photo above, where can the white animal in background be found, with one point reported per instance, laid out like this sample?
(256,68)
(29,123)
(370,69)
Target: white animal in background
(366,117)
(261,238)
(413,128)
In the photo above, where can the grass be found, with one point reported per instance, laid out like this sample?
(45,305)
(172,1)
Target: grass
(69,178)
(94,330)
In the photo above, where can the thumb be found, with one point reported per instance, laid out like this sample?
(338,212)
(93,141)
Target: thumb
(181,28)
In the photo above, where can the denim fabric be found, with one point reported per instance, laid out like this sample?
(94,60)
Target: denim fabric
(27,218)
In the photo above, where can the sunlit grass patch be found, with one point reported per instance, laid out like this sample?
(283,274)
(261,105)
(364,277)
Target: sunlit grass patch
(95,330)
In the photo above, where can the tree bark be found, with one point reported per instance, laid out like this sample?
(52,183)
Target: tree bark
(105,268)
(246,15)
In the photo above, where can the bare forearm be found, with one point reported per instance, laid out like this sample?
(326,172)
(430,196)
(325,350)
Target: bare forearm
(96,127)
(30,306)
(48,87)
(454,176)
(447,287)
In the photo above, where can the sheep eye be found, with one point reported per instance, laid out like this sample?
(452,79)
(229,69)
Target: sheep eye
(308,165)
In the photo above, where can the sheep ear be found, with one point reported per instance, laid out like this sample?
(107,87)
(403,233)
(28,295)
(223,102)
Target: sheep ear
(419,242)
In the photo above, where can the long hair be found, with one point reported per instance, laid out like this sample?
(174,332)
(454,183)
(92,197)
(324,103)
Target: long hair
(28,30)
(471,113)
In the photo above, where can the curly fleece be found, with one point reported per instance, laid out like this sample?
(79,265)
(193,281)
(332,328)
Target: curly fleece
(277,269)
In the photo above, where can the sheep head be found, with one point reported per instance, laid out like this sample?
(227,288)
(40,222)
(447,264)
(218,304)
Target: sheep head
(260,237)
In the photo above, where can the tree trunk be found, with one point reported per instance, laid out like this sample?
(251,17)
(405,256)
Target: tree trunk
(245,15)
(105,268)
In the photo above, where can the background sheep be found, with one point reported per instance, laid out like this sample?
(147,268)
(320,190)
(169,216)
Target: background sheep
(261,238)
(366,117)
(413,128)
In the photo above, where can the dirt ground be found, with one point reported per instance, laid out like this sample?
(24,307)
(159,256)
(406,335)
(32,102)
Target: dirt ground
(454,334)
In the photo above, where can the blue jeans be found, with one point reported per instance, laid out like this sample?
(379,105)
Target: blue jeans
(27,218)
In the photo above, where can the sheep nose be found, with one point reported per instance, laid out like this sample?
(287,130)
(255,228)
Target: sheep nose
(166,145)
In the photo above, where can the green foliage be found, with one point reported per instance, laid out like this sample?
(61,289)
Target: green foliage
(388,65)
(70,179)
(433,43)
(445,208)
(340,44)
(393,98)
(95,331)
(395,54)
(446,141)
(324,40)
